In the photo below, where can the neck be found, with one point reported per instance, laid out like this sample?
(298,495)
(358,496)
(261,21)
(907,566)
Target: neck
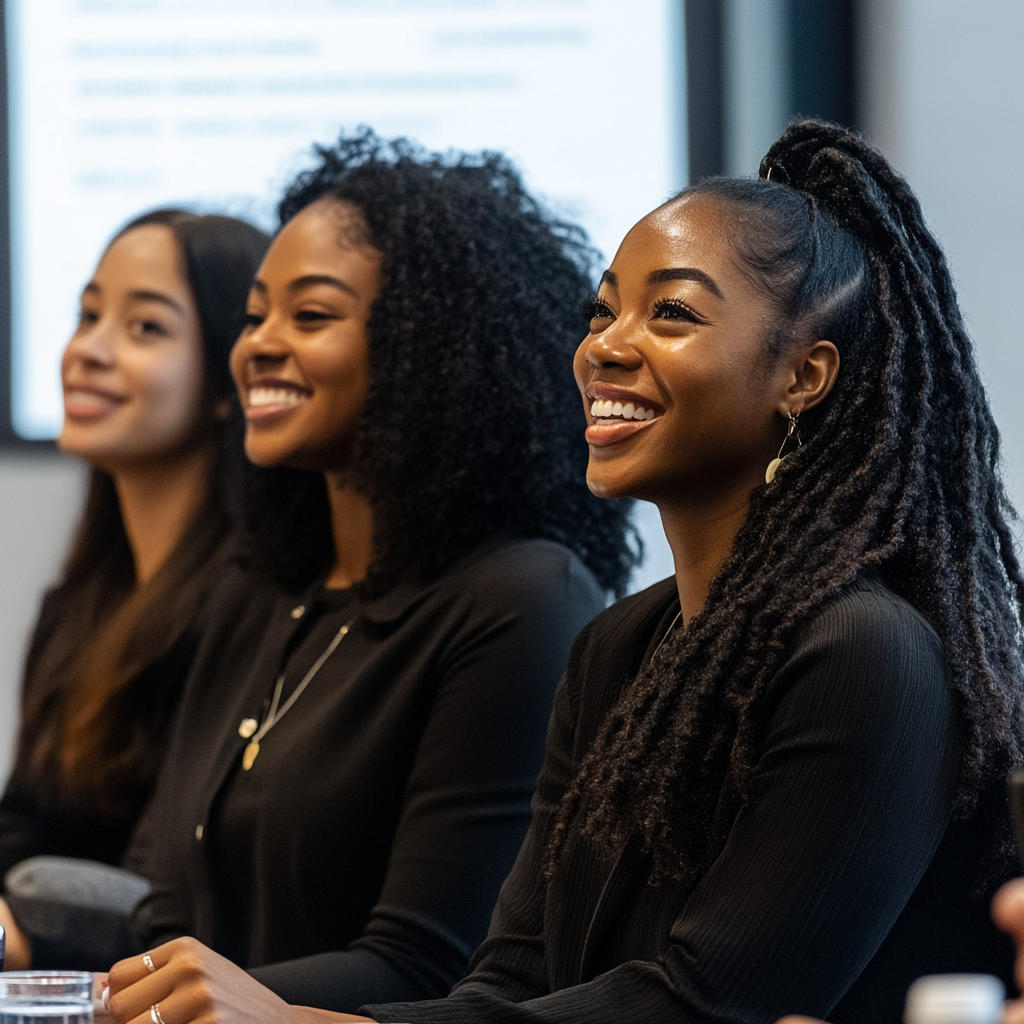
(352,531)
(701,540)
(158,504)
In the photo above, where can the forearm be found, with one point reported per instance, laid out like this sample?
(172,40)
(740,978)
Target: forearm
(189,983)
(346,979)
(311,1015)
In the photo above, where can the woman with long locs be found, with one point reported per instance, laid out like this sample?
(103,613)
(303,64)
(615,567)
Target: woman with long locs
(775,782)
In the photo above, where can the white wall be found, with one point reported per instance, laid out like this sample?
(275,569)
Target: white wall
(946,104)
(39,501)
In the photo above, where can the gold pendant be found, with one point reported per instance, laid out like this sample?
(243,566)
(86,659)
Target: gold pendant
(252,751)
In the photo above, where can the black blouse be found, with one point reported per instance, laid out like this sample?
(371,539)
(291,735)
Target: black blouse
(366,845)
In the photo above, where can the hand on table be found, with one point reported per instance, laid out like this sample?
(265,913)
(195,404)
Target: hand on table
(183,981)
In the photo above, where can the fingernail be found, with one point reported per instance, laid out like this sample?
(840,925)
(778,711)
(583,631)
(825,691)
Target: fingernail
(106,995)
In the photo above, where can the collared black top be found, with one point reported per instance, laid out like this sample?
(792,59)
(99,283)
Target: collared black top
(386,806)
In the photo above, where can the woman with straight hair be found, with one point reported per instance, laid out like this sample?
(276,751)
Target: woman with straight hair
(148,406)
(775,782)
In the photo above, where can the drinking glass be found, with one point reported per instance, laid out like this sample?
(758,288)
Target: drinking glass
(45,997)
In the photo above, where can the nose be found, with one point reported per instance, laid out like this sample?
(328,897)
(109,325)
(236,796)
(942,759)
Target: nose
(94,344)
(260,344)
(609,348)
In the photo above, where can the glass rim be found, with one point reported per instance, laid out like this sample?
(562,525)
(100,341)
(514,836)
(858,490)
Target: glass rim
(72,984)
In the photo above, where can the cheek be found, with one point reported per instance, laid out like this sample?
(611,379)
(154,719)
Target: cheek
(344,370)
(174,385)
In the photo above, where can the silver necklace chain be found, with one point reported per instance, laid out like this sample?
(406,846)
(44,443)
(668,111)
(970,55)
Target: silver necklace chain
(668,632)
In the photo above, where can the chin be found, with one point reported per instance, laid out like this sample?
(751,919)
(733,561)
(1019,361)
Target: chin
(81,447)
(263,461)
(601,487)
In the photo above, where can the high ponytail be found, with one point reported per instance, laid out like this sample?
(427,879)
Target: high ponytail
(898,474)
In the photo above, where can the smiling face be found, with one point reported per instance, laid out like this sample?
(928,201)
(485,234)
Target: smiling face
(302,363)
(132,372)
(682,400)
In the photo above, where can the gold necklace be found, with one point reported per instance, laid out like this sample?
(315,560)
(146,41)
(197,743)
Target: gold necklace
(250,730)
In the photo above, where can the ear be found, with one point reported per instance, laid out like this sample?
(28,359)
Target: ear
(812,371)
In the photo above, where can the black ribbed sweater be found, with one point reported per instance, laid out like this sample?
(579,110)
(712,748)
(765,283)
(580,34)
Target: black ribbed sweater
(841,882)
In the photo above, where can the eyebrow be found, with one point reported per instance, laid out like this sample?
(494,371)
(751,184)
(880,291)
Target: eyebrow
(307,281)
(671,274)
(142,295)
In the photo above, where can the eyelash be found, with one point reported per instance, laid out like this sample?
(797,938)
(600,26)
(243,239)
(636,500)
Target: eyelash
(678,309)
(140,327)
(592,308)
(669,309)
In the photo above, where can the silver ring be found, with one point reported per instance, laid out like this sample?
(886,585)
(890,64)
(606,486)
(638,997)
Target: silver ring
(155,1015)
(148,961)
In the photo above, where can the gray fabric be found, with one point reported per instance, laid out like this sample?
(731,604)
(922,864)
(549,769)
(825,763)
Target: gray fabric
(83,883)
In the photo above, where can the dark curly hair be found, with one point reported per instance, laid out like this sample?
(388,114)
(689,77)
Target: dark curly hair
(899,475)
(476,428)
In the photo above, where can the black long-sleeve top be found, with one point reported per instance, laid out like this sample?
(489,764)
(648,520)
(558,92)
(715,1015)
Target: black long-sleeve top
(843,880)
(36,816)
(387,805)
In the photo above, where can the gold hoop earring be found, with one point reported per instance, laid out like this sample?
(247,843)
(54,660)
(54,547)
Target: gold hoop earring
(791,430)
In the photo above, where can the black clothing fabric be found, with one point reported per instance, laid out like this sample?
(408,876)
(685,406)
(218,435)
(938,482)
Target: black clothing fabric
(366,846)
(843,879)
(37,820)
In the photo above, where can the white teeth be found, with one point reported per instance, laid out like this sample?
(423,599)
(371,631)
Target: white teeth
(274,396)
(603,409)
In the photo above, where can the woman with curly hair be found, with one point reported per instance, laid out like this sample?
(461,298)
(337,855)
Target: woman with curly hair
(148,406)
(774,782)
(351,773)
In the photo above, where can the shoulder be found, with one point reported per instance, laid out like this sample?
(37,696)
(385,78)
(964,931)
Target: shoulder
(872,616)
(236,600)
(516,567)
(875,642)
(540,585)
(531,587)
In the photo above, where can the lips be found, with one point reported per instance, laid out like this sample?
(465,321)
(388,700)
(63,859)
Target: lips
(270,400)
(617,414)
(88,403)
